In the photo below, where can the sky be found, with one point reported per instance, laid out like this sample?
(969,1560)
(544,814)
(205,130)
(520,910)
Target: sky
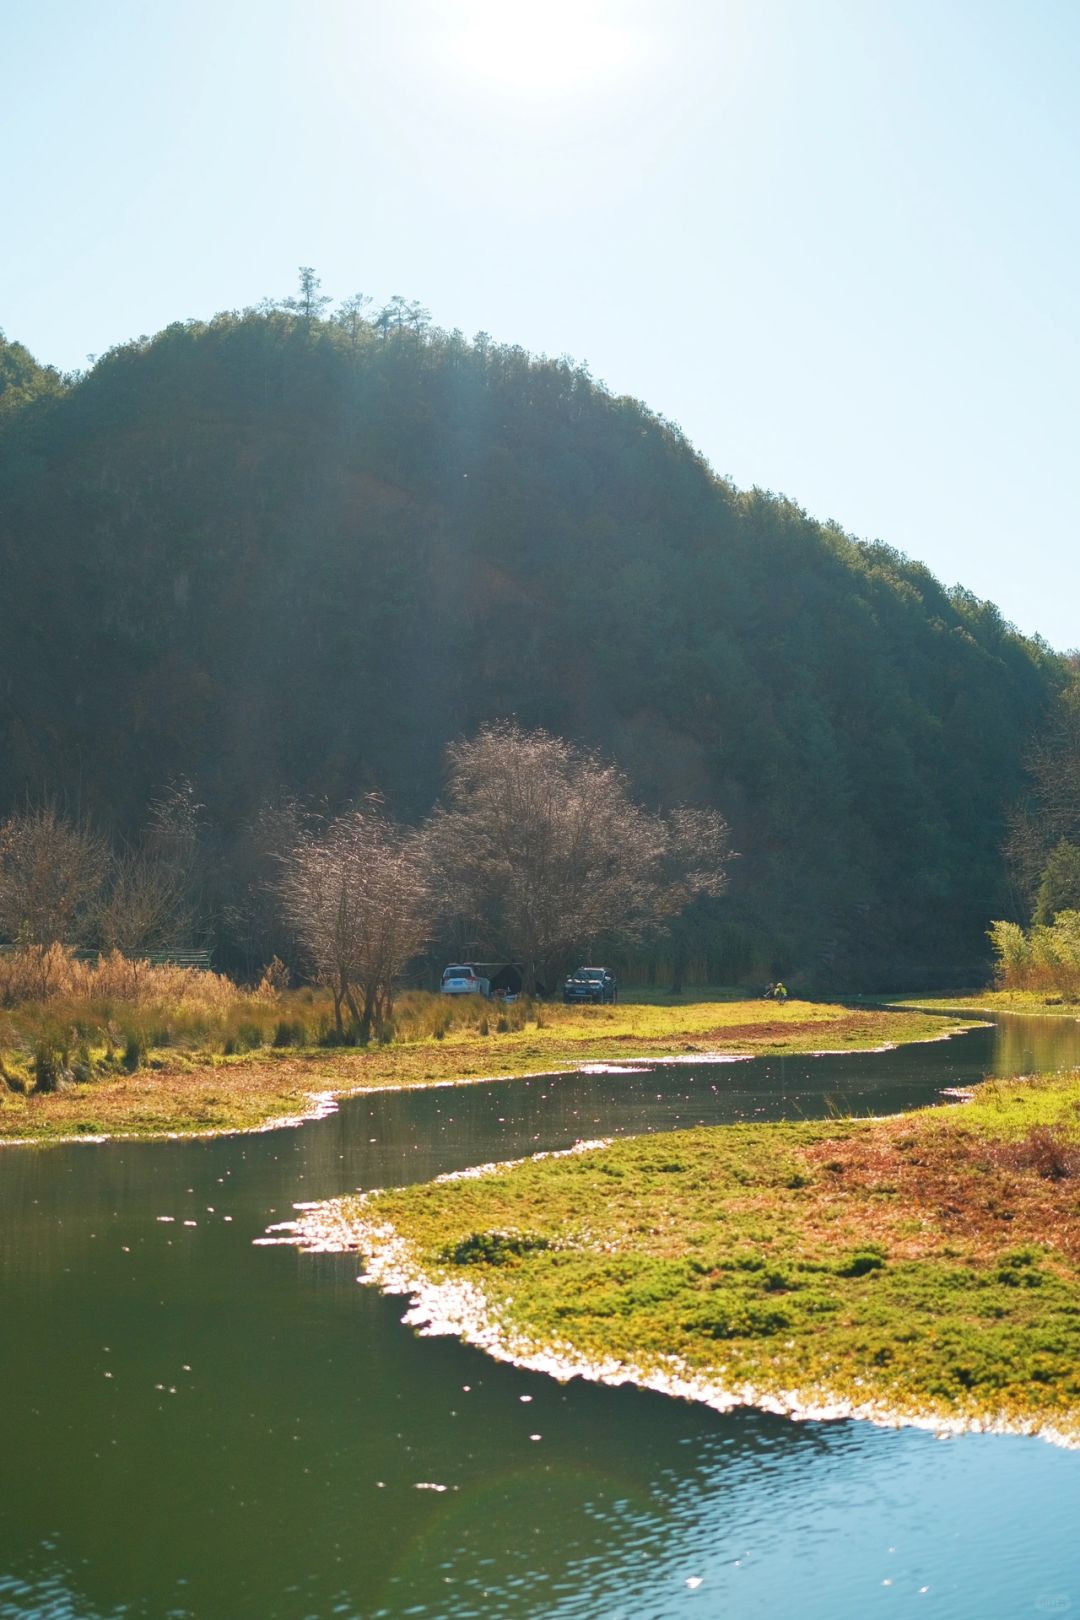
(835,240)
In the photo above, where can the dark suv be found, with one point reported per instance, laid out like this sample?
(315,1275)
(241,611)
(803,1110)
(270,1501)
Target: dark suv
(591,984)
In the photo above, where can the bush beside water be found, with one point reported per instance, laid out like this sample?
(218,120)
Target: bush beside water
(1045,958)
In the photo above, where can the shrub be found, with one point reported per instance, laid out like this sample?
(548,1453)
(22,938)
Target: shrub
(1046,959)
(1019,1268)
(274,981)
(290,1032)
(729,1315)
(12,1079)
(494,1248)
(330,1035)
(134,1051)
(1049,1151)
(249,1036)
(861,1262)
(50,1067)
(1013,951)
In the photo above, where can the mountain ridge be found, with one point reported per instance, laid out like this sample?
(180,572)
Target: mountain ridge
(276,557)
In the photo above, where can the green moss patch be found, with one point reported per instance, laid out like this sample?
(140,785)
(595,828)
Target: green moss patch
(920,1266)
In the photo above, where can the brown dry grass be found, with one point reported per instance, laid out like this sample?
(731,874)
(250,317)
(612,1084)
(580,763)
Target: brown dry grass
(53,972)
(913,1186)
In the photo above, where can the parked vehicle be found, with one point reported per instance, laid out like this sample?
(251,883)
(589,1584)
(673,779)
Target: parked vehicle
(591,984)
(462,979)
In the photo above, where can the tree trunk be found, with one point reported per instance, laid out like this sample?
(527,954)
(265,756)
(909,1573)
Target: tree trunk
(366,1018)
(350,1002)
(384,1008)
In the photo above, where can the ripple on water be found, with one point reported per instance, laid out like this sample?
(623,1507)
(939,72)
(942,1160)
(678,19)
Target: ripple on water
(282,1483)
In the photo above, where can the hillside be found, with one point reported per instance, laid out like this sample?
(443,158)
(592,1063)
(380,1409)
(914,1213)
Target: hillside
(275,555)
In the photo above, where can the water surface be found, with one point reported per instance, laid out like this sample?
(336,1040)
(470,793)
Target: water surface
(197,1427)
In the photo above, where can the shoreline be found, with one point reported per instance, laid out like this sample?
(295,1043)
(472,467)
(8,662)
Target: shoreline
(1002,1003)
(325,1101)
(818,1270)
(457,1309)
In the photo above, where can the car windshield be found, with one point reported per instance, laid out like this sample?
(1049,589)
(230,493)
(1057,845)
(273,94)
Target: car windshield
(591,973)
(458,973)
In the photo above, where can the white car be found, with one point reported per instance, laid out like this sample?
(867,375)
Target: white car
(462,980)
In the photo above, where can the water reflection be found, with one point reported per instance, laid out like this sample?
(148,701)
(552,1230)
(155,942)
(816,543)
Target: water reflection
(1036,1045)
(197,1427)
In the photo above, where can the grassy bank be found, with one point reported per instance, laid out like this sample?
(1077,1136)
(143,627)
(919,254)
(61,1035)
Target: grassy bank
(1036,1003)
(224,1072)
(925,1267)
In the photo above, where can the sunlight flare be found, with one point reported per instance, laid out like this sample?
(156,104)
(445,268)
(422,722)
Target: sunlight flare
(554,46)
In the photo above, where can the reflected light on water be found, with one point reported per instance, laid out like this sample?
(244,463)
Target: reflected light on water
(259,1447)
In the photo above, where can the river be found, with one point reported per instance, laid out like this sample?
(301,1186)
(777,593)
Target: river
(197,1427)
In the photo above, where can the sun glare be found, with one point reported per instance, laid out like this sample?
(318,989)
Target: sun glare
(543,45)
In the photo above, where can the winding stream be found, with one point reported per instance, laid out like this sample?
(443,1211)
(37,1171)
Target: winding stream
(194,1426)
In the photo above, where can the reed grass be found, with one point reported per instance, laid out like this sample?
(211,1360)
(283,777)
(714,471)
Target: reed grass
(65,1018)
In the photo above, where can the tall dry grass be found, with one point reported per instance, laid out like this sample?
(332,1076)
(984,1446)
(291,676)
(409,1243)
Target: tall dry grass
(66,1019)
(70,1019)
(43,973)
(419,1015)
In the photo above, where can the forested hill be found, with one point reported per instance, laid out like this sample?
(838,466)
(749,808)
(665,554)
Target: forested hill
(276,554)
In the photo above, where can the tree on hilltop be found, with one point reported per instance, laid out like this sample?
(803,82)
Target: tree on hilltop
(309,302)
(400,315)
(350,317)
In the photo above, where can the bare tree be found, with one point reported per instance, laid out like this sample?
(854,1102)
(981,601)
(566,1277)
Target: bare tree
(176,845)
(358,902)
(174,828)
(145,906)
(51,875)
(696,856)
(541,849)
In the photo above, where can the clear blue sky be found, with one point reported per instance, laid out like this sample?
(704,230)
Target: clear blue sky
(836,240)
